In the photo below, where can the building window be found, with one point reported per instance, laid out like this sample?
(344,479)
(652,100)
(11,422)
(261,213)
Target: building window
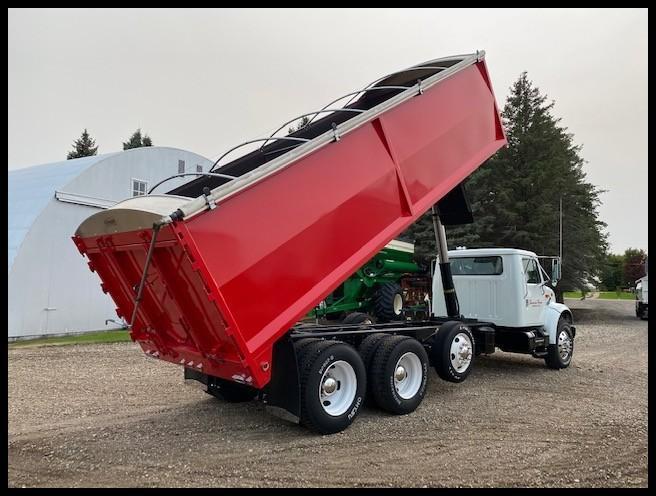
(181,166)
(199,168)
(139,188)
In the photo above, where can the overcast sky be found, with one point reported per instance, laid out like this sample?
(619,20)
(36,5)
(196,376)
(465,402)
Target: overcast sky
(205,80)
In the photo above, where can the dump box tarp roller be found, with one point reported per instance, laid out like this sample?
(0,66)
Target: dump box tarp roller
(225,283)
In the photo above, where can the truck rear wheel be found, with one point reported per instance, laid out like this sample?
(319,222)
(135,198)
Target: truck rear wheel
(559,355)
(399,374)
(301,344)
(333,384)
(452,351)
(367,349)
(388,302)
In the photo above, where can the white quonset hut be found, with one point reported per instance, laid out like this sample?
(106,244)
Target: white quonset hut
(50,288)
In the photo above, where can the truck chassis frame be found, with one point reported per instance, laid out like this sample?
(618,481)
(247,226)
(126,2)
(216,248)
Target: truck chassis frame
(282,394)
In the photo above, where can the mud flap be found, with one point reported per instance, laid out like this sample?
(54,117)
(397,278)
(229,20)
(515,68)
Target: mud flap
(283,397)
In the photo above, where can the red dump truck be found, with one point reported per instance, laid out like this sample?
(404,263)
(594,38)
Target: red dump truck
(216,274)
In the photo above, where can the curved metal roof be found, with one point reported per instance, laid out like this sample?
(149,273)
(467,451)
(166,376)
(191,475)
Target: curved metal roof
(30,189)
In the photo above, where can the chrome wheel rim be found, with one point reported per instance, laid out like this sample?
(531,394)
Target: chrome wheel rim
(461,352)
(337,388)
(564,345)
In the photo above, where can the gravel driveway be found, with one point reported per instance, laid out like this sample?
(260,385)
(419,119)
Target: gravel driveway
(105,415)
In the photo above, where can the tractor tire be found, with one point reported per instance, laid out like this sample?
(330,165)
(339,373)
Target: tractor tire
(333,382)
(229,391)
(388,302)
(453,351)
(559,355)
(399,374)
(358,318)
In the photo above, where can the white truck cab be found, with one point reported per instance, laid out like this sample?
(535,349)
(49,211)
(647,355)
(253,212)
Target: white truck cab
(506,287)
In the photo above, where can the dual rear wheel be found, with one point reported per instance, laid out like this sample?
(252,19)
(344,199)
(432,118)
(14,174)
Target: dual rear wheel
(390,371)
(397,372)
(335,378)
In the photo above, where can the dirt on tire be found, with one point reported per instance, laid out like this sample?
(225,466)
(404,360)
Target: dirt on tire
(106,415)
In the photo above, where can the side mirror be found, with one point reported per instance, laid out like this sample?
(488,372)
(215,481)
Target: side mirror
(555,271)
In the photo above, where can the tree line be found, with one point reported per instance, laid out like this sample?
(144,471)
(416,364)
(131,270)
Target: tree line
(516,197)
(622,271)
(85,145)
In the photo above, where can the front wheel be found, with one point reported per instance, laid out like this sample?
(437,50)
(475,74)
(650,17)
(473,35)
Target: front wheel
(333,386)
(559,355)
(452,351)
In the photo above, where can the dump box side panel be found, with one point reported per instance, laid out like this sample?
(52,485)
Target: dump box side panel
(277,248)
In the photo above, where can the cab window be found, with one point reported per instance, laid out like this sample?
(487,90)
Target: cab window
(531,271)
(476,266)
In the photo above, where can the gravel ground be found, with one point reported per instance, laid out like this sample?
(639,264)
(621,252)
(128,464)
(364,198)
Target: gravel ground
(105,415)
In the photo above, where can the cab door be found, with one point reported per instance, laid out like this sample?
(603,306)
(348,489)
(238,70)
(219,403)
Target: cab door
(535,297)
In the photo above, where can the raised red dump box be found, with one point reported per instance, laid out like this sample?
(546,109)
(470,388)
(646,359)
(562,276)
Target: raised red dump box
(239,258)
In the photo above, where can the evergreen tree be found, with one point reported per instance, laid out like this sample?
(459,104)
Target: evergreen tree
(515,195)
(612,273)
(137,141)
(85,146)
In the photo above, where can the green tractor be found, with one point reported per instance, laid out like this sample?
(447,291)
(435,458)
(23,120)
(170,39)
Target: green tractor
(391,286)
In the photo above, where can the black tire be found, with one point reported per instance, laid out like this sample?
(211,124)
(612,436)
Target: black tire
(554,359)
(384,299)
(358,318)
(386,391)
(367,348)
(442,358)
(641,311)
(229,391)
(302,344)
(334,316)
(316,360)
